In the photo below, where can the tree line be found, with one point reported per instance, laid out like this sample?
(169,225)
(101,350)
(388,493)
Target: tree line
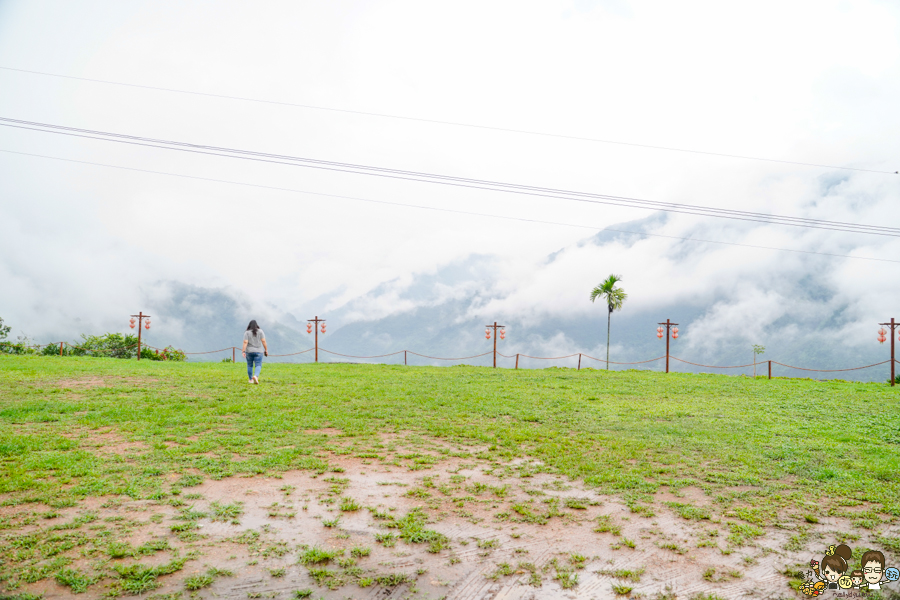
(110,345)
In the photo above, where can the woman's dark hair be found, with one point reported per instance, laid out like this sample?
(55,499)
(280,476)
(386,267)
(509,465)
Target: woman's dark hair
(838,560)
(253,327)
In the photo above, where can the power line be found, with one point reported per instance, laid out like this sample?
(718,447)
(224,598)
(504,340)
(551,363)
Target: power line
(448,210)
(452,180)
(449,180)
(452,123)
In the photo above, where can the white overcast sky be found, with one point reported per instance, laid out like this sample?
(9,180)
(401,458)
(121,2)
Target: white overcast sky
(814,82)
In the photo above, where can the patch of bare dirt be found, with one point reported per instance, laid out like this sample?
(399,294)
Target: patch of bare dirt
(512,532)
(104,441)
(665,545)
(94,381)
(329,431)
(686,495)
(82,383)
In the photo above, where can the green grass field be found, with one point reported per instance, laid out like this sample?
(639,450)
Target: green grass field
(767,451)
(801,440)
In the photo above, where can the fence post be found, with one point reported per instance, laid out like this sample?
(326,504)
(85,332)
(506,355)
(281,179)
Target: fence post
(667,348)
(495,349)
(770,369)
(517,360)
(893,325)
(60,348)
(404,357)
(233,354)
(579,361)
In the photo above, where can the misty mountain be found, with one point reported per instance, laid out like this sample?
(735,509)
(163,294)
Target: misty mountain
(444,313)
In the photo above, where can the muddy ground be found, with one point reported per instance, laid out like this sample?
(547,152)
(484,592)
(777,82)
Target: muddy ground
(496,533)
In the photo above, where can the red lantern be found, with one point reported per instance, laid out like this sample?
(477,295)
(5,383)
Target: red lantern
(487,336)
(502,334)
(674,336)
(323,327)
(309,328)
(132,324)
(882,336)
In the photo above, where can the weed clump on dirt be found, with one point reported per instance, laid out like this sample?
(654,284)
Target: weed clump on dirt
(605,525)
(138,578)
(688,511)
(349,505)
(412,530)
(316,556)
(393,579)
(76,580)
(197,582)
(227,512)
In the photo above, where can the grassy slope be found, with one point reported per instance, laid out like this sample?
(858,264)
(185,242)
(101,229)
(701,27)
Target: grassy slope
(796,441)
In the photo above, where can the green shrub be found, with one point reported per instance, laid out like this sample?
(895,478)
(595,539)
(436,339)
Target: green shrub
(167,353)
(109,345)
(53,350)
(23,346)
(4,330)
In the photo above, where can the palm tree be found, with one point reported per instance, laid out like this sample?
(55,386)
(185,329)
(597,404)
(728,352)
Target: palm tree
(614,297)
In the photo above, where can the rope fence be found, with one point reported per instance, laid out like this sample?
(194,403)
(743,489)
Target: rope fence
(439,358)
(68,345)
(207,352)
(543,357)
(718,367)
(291,354)
(120,349)
(351,356)
(884,362)
(612,362)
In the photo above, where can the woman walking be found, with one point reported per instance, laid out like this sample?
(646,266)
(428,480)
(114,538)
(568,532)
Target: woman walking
(254,349)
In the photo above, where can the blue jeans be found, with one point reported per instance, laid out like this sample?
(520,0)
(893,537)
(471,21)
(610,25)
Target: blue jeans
(254,364)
